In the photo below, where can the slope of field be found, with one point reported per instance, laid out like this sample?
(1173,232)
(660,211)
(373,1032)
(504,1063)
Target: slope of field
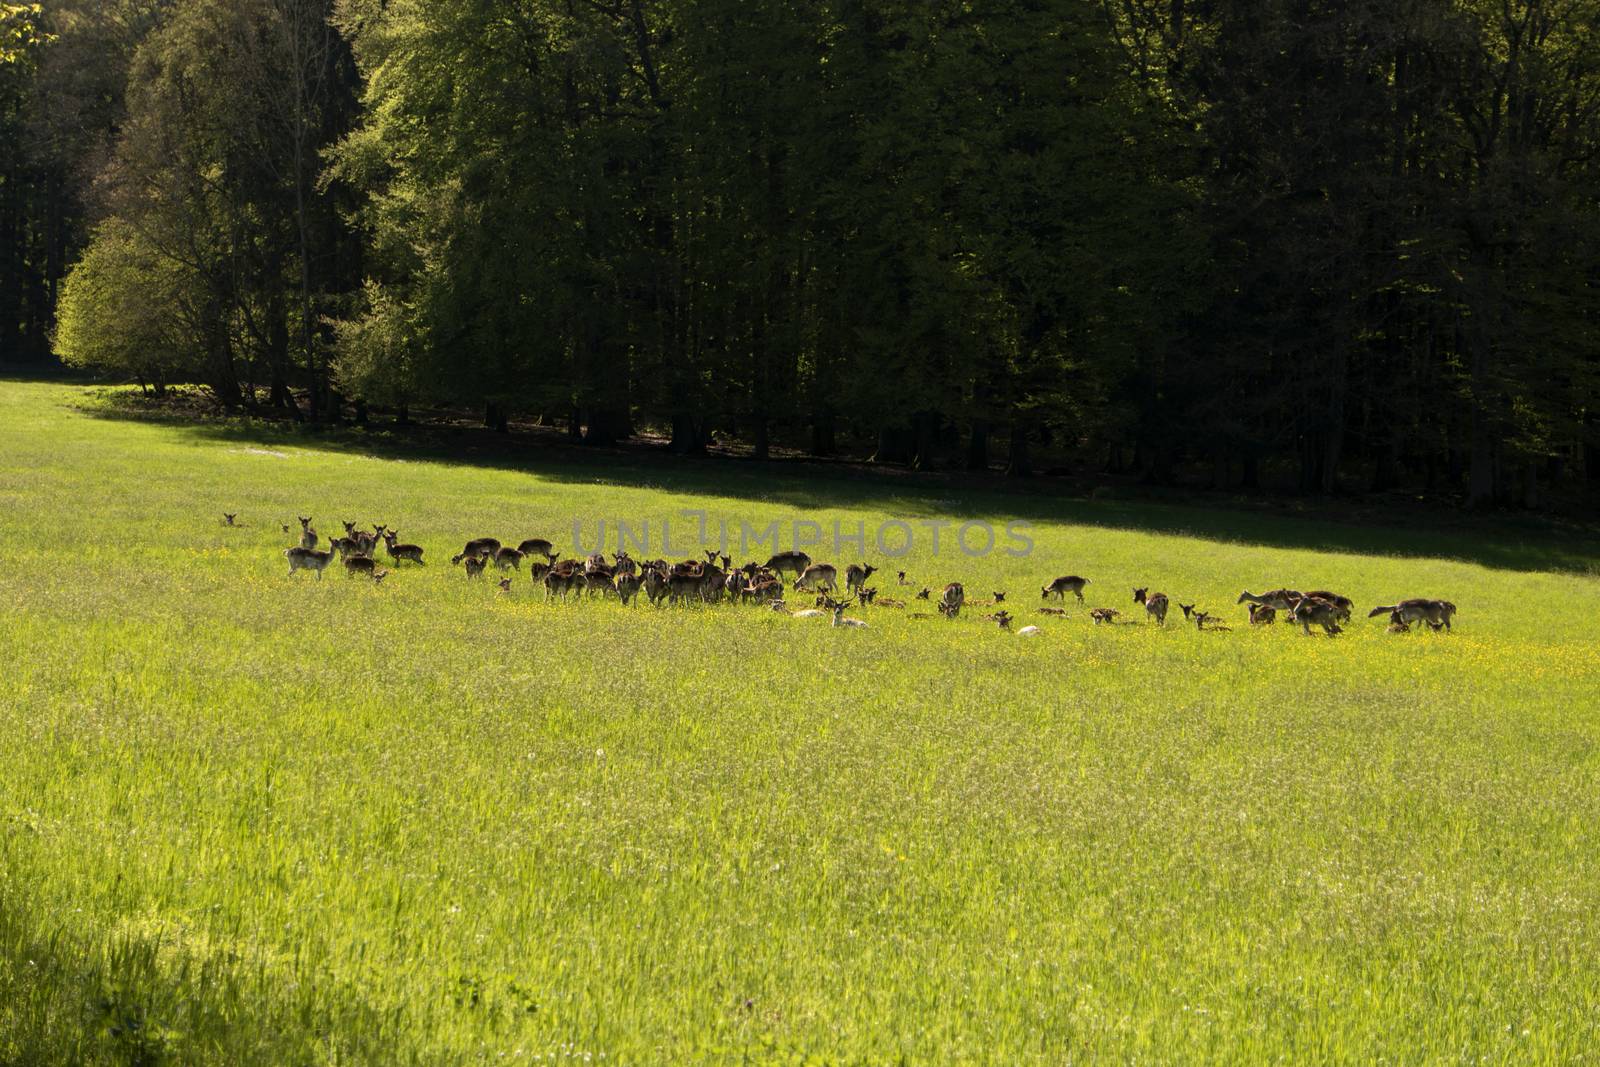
(246,818)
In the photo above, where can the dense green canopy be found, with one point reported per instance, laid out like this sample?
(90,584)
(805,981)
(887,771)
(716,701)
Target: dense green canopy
(1338,245)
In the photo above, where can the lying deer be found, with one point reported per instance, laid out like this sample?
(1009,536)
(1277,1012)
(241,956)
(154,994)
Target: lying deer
(1262,615)
(1059,588)
(837,607)
(227,519)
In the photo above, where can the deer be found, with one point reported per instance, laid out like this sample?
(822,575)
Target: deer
(711,580)
(227,519)
(900,577)
(867,596)
(1103,615)
(770,590)
(1343,603)
(354,565)
(505,585)
(1308,610)
(622,563)
(308,536)
(655,584)
(837,607)
(508,559)
(627,586)
(784,562)
(1004,619)
(819,577)
(925,594)
(950,603)
(1262,614)
(999,596)
(1397,623)
(1059,588)
(378,576)
(537,546)
(476,566)
(681,586)
(367,541)
(856,575)
(1188,610)
(1155,604)
(479,546)
(1210,623)
(1052,611)
(345,547)
(1279,599)
(560,581)
(307,559)
(398,551)
(1436,613)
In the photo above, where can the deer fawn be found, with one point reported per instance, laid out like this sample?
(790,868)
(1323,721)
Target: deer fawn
(1262,615)
(1059,588)
(227,520)
(308,536)
(1155,604)
(307,559)
(398,551)
(1103,615)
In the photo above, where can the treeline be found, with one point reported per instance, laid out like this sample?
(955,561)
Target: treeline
(1330,244)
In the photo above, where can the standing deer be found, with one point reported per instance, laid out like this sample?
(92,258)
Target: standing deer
(1059,588)
(307,559)
(785,562)
(538,546)
(308,536)
(819,577)
(398,551)
(856,575)
(950,603)
(1155,604)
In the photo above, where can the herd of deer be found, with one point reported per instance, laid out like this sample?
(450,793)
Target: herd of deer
(715,578)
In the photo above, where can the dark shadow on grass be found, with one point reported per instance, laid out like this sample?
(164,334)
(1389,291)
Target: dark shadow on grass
(1398,526)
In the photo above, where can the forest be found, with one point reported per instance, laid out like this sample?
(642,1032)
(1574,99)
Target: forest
(1320,246)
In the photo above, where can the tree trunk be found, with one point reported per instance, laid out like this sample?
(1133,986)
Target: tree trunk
(607,426)
(978,446)
(762,446)
(822,443)
(1019,465)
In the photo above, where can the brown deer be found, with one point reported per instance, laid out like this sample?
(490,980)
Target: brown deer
(227,519)
(1343,603)
(785,562)
(837,607)
(622,563)
(1280,599)
(479,546)
(378,576)
(655,584)
(398,551)
(307,559)
(308,536)
(819,577)
(1155,604)
(856,575)
(354,565)
(1103,615)
(562,580)
(508,559)
(1262,614)
(476,566)
(538,546)
(1059,588)
(367,541)
(627,586)
(950,603)
(1436,613)
(1308,610)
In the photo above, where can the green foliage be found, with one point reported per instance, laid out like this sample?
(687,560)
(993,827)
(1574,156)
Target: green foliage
(119,310)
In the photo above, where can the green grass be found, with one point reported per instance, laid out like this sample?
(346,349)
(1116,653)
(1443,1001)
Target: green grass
(252,819)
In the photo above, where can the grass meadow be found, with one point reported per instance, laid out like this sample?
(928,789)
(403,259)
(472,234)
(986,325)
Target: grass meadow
(249,819)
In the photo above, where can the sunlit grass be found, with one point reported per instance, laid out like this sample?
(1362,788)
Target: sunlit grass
(249,818)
